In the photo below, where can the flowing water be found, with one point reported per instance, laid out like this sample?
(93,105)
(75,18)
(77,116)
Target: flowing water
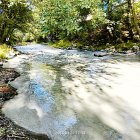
(73,95)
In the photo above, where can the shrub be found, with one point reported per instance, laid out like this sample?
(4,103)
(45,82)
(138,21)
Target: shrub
(62,44)
(4,51)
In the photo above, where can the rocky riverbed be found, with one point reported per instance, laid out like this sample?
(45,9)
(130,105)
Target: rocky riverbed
(8,129)
(62,94)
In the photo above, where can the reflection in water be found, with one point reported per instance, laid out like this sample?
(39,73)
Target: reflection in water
(76,96)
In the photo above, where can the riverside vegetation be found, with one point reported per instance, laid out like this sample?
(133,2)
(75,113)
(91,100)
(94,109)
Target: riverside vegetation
(71,23)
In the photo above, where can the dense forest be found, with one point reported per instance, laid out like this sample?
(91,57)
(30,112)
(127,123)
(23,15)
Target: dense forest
(70,22)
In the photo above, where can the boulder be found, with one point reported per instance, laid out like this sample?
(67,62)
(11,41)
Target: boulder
(100,54)
(7,75)
(135,49)
(129,51)
(138,53)
(6,92)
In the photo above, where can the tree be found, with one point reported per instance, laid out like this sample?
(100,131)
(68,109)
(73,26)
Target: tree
(14,15)
(68,18)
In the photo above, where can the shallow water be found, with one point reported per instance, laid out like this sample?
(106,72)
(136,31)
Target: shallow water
(73,95)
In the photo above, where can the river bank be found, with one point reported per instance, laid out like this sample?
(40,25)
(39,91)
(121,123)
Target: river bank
(8,129)
(120,47)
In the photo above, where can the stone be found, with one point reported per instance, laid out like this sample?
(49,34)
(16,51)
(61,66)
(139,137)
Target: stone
(136,37)
(6,92)
(7,75)
(69,48)
(129,51)
(138,53)
(125,33)
(135,49)
(100,54)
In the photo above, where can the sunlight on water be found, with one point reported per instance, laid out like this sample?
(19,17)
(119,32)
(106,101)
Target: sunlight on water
(75,96)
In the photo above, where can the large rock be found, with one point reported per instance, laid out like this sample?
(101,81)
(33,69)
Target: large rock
(138,53)
(7,75)
(100,54)
(135,49)
(6,92)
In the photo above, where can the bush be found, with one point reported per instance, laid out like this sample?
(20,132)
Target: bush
(63,44)
(4,51)
(124,46)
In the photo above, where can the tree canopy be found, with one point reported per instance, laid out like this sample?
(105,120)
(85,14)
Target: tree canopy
(87,22)
(14,15)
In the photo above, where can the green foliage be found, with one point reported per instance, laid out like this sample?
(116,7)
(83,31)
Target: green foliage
(67,19)
(137,12)
(14,15)
(66,44)
(4,51)
(124,46)
(62,44)
(86,21)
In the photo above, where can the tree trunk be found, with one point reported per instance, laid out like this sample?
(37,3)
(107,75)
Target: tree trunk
(130,27)
(3,28)
(135,22)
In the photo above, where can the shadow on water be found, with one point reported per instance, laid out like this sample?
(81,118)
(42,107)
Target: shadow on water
(116,118)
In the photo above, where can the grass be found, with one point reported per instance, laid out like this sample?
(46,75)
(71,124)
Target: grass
(4,51)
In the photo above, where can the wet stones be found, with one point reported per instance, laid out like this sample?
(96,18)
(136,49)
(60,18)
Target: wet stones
(6,92)
(7,75)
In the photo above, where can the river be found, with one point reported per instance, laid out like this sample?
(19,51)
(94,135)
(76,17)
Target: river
(73,95)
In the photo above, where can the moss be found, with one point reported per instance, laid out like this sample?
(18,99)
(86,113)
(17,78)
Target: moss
(4,51)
